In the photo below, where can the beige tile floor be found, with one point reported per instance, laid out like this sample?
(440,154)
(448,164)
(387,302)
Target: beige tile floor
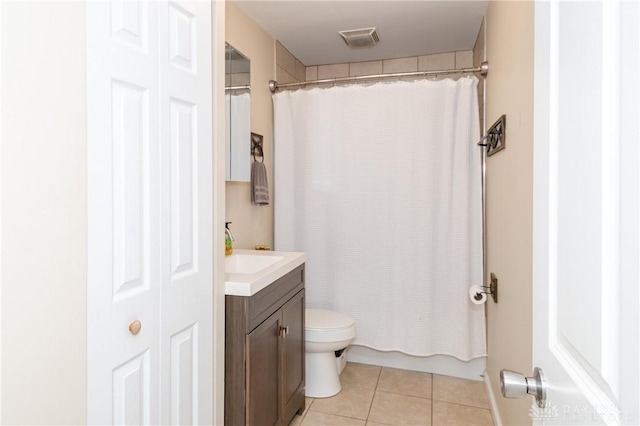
(373,395)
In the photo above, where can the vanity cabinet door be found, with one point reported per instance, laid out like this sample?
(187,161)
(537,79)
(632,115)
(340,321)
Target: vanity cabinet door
(263,371)
(264,354)
(292,342)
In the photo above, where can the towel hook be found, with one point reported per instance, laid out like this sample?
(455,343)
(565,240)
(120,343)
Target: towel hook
(495,137)
(256,145)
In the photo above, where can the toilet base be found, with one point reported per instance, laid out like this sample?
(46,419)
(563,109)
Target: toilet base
(341,361)
(321,375)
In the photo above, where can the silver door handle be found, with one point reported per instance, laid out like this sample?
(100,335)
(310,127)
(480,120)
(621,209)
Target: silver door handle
(515,385)
(283,331)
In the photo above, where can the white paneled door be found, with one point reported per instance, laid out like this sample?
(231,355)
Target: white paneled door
(586,211)
(187,279)
(149,212)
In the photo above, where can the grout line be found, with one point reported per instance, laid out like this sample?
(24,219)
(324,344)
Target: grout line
(375,391)
(408,395)
(432,380)
(460,403)
(341,415)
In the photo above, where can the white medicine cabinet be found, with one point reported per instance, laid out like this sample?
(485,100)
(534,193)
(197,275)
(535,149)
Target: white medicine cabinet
(238,115)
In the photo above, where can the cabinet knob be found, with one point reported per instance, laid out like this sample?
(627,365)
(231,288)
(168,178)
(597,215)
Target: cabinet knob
(135,327)
(283,331)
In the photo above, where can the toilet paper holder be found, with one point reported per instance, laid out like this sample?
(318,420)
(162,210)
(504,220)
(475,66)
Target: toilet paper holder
(492,287)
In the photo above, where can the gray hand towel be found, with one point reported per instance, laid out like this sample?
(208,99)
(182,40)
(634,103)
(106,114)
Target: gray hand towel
(259,184)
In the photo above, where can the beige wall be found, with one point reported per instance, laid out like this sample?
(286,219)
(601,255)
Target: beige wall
(510,51)
(252,224)
(43,210)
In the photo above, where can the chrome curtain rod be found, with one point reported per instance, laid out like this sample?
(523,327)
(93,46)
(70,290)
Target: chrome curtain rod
(237,87)
(483,69)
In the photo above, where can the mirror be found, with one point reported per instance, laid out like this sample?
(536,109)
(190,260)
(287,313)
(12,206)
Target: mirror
(238,108)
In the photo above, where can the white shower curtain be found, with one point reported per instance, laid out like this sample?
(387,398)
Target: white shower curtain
(381,186)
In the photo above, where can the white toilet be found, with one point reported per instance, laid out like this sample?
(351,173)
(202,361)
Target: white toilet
(325,332)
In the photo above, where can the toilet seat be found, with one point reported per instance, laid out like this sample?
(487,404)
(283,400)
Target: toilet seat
(322,325)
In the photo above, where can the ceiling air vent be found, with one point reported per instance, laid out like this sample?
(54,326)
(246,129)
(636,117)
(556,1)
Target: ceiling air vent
(364,37)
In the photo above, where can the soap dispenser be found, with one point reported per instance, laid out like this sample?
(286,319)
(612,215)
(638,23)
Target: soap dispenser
(228,239)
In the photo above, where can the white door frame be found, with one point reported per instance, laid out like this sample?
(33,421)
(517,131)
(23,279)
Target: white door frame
(1,231)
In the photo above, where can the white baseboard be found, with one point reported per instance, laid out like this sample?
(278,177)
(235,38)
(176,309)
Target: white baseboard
(497,420)
(438,364)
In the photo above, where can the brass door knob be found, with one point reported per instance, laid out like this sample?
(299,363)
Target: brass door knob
(135,327)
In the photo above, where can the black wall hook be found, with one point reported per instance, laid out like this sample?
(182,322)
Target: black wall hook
(256,145)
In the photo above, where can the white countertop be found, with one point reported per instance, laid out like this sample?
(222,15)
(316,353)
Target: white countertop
(248,284)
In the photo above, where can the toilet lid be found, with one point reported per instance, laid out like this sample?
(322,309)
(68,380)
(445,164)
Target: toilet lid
(322,319)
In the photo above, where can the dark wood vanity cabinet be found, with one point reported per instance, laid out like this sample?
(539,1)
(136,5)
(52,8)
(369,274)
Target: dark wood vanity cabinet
(264,357)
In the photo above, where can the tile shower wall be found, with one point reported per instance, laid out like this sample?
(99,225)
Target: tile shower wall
(439,61)
(237,79)
(288,68)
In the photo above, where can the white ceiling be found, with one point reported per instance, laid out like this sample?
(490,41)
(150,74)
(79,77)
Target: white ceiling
(309,28)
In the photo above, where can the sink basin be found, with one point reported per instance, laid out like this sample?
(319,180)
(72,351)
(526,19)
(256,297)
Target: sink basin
(249,271)
(249,263)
